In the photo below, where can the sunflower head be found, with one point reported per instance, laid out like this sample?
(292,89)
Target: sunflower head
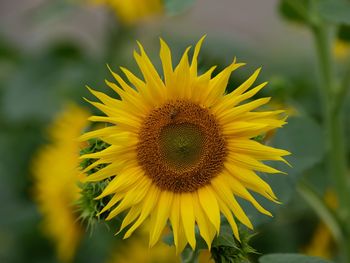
(132,11)
(181,149)
(56,175)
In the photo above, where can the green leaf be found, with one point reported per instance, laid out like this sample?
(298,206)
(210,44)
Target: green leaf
(323,211)
(294,10)
(226,237)
(344,33)
(174,7)
(337,12)
(304,138)
(290,258)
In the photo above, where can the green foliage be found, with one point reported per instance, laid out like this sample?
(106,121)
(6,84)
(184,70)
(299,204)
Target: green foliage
(337,12)
(295,10)
(311,12)
(174,7)
(303,137)
(344,33)
(226,249)
(290,258)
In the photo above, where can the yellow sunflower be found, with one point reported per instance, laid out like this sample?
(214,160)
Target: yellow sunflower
(56,174)
(182,149)
(132,11)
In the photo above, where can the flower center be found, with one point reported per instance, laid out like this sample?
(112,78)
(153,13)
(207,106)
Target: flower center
(181,147)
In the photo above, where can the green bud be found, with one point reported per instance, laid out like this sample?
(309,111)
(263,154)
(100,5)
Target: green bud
(88,207)
(226,249)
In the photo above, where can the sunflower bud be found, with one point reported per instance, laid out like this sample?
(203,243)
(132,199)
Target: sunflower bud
(89,208)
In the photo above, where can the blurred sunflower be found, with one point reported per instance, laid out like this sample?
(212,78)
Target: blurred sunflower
(56,174)
(182,149)
(341,50)
(132,11)
(136,250)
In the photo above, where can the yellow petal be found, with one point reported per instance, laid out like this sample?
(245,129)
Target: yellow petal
(123,181)
(227,197)
(175,219)
(206,229)
(194,63)
(131,198)
(148,205)
(161,214)
(231,100)
(246,161)
(133,213)
(250,179)
(187,216)
(98,133)
(165,57)
(152,79)
(115,199)
(210,206)
(241,191)
(123,84)
(246,85)
(227,213)
(233,114)
(257,150)
(182,75)
(218,84)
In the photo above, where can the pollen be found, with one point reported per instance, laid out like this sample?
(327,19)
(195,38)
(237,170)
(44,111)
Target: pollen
(181,147)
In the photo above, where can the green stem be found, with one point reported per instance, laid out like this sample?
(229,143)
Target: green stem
(324,212)
(333,125)
(341,94)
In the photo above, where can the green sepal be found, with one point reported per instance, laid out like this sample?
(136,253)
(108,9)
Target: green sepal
(88,207)
(227,249)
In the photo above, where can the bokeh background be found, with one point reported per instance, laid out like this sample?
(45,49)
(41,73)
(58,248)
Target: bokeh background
(49,51)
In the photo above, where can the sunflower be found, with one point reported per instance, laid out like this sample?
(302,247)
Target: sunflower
(56,174)
(132,11)
(181,149)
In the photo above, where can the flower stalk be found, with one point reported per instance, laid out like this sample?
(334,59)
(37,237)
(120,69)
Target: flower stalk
(333,125)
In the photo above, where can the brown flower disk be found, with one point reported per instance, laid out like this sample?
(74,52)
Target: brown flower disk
(181,147)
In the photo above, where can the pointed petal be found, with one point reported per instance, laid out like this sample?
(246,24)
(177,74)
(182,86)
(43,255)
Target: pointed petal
(210,206)
(162,212)
(131,198)
(187,216)
(240,190)
(248,162)
(194,64)
(246,85)
(228,214)
(251,180)
(165,57)
(133,213)
(206,229)
(175,219)
(148,205)
(226,195)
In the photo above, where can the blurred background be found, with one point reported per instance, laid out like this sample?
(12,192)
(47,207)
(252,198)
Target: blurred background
(49,51)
